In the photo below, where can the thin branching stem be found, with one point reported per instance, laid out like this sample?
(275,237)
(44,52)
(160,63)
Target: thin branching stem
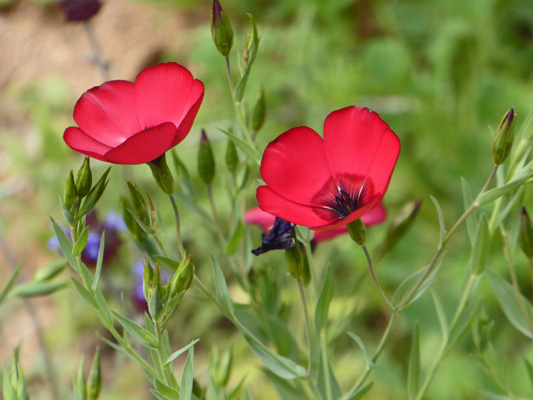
(178,225)
(375,278)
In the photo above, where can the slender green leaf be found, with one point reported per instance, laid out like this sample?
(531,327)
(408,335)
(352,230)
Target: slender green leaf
(179,352)
(467,201)
(235,239)
(9,284)
(512,307)
(34,289)
(99,262)
(281,366)
(462,325)
(357,394)
(441,221)
(413,374)
(146,228)
(65,245)
(440,314)
(361,345)
(187,377)
(49,271)
(139,333)
(81,242)
(324,300)
(481,247)
(493,194)
(529,368)
(408,284)
(223,298)
(88,296)
(292,389)
(244,146)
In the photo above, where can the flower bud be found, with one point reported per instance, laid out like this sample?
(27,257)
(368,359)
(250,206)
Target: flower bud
(70,195)
(84,179)
(94,381)
(206,161)
(252,42)
(232,158)
(138,202)
(162,174)
(95,194)
(295,263)
(183,277)
(221,30)
(259,112)
(526,234)
(80,10)
(357,231)
(503,141)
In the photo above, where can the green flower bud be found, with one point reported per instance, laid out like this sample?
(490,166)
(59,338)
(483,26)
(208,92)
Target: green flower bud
(84,179)
(252,42)
(206,161)
(183,277)
(221,30)
(95,194)
(526,234)
(295,261)
(232,158)
(94,381)
(80,389)
(162,174)
(357,231)
(259,112)
(138,202)
(70,195)
(503,141)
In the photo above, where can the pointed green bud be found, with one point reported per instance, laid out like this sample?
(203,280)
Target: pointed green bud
(357,231)
(259,111)
(481,328)
(232,157)
(138,202)
(130,222)
(84,179)
(95,194)
(80,390)
(70,195)
(94,381)
(400,227)
(224,366)
(526,234)
(183,277)
(503,141)
(206,161)
(162,174)
(221,30)
(295,261)
(252,42)
(148,279)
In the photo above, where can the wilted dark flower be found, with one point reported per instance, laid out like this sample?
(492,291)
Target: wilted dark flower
(280,237)
(80,10)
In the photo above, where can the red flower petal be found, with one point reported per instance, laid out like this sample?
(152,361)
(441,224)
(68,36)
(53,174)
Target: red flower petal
(294,165)
(107,112)
(259,217)
(375,216)
(354,138)
(78,140)
(168,93)
(143,147)
(299,214)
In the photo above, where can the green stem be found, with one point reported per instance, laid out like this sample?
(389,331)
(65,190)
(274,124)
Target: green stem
(325,364)
(377,354)
(178,225)
(442,247)
(217,229)
(444,347)
(375,279)
(307,325)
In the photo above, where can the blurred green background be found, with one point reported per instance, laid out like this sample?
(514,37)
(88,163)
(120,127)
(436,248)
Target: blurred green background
(441,73)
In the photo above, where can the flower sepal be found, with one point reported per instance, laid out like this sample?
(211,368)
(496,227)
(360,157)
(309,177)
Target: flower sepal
(162,174)
(357,231)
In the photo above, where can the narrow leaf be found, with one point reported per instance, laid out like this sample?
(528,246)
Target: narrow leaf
(187,377)
(241,144)
(324,300)
(413,374)
(34,289)
(468,200)
(139,333)
(223,298)
(179,352)
(81,242)
(235,239)
(64,244)
(441,220)
(361,345)
(88,296)
(357,394)
(481,247)
(99,262)
(511,306)
(9,284)
(441,314)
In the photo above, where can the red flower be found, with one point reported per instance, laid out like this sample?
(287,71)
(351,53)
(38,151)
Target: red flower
(330,182)
(265,220)
(134,123)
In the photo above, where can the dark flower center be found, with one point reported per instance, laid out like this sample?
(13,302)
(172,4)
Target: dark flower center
(342,195)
